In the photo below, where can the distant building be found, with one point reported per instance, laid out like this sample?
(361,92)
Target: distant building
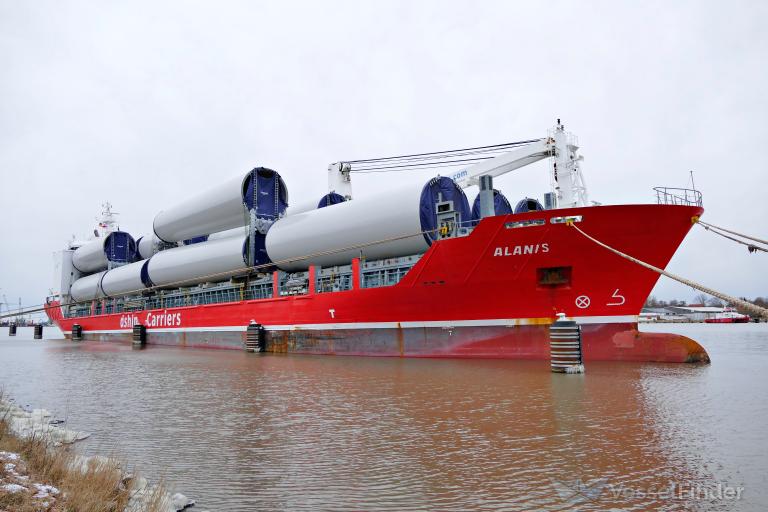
(698,313)
(660,315)
(680,313)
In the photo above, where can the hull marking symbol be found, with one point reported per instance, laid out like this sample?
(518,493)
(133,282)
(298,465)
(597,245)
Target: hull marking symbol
(582,302)
(332,312)
(616,295)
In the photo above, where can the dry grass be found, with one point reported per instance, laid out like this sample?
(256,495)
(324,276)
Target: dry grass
(99,487)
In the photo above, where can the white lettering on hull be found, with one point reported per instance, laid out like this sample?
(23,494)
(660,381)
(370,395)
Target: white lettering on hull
(164,319)
(519,250)
(128,321)
(620,299)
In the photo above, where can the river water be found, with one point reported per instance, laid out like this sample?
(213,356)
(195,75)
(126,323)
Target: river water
(241,431)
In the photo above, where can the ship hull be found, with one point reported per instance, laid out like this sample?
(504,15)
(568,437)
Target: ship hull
(601,342)
(491,294)
(739,320)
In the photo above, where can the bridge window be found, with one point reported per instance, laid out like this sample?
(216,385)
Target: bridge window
(525,223)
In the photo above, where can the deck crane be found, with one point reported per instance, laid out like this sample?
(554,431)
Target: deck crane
(566,179)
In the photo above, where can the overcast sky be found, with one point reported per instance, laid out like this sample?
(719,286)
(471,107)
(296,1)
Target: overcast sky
(143,103)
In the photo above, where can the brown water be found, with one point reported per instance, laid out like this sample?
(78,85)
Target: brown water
(241,431)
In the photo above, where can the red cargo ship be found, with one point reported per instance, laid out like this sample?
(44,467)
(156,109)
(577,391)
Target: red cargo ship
(728,316)
(485,289)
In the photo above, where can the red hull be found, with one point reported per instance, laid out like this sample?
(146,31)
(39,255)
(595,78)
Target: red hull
(478,296)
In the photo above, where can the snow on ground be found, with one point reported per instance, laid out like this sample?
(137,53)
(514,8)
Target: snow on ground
(9,456)
(13,480)
(13,488)
(45,491)
(37,423)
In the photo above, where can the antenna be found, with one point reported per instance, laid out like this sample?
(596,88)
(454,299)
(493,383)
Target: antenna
(107,223)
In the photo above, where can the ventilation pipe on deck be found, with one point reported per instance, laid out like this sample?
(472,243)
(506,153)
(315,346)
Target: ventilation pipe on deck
(486,196)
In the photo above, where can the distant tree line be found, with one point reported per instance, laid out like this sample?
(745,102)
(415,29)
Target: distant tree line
(705,300)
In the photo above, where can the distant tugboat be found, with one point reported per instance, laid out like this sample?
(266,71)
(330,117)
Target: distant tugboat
(728,316)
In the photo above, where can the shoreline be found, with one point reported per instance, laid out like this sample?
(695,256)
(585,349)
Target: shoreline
(41,470)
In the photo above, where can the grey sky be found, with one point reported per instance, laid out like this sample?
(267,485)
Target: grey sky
(142,103)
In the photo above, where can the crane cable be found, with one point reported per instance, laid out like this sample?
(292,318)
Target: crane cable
(421,165)
(717,229)
(752,308)
(433,160)
(450,152)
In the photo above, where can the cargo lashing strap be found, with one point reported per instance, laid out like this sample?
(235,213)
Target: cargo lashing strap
(757,310)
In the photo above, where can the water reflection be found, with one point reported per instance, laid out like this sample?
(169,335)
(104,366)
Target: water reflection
(247,432)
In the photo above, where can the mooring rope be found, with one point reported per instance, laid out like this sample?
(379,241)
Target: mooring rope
(716,230)
(750,247)
(752,308)
(706,225)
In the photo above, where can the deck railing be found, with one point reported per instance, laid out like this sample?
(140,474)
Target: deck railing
(678,196)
